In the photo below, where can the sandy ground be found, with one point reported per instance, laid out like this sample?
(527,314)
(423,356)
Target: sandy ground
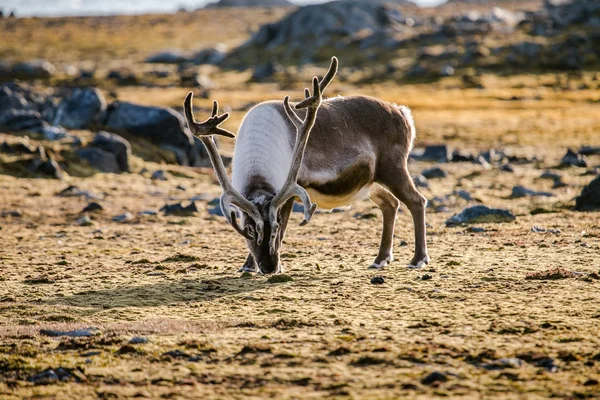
(327,333)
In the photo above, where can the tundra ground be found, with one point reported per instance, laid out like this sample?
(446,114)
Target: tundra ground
(471,315)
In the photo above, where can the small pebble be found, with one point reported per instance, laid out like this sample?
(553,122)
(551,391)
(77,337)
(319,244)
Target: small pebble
(377,280)
(426,277)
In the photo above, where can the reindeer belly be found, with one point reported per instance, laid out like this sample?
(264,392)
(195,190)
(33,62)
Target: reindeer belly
(330,189)
(328,201)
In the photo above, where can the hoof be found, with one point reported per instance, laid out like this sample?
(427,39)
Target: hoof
(249,269)
(383,263)
(419,264)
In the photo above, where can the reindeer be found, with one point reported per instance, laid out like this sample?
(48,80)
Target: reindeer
(358,147)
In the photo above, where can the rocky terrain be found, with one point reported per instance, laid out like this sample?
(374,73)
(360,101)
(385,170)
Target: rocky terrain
(118,273)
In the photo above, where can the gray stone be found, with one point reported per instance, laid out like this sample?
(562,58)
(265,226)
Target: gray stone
(434,173)
(521,191)
(420,181)
(84,221)
(138,340)
(211,56)
(116,145)
(590,150)
(34,69)
(249,3)
(167,57)
(589,199)
(434,378)
(163,126)
(99,159)
(267,71)
(74,333)
(573,159)
(127,216)
(159,175)
(480,214)
(180,210)
(82,109)
(438,153)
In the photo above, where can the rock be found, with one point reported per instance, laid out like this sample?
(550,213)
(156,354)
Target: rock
(420,181)
(507,168)
(249,3)
(123,77)
(82,109)
(34,69)
(162,126)
(539,229)
(547,174)
(463,194)
(91,207)
(521,191)
(434,378)
(503,363)
(434,173)
(447,70)
(216,210)
(437,153)
(167,57)
(199,81)
(12,213)
(116,145)
(123,217)
(159,175)
(426,277)
(74,333)
(46,377)
(16,120)
(324,26)
(480,214)
(149,213)
(573,159)
(99,159)
(138,340)
(84,221)
(417,70)
(74,191)
(589,199)
(589,150)
(377,280)
(460,156)
(267,71)
(211,56)
(20,146)
(180,210)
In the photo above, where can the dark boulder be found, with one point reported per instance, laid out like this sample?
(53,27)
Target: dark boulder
(99,159)
(116,145)
(167,57)
(434,173)
(34,69)
(438,153)
(589,199)
(16,120)
(573,159)
(480,214)
(82,109)
(211,56)
(162,126)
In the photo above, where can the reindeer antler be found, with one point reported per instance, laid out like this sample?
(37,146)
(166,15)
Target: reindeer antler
(291,188)
(205,131)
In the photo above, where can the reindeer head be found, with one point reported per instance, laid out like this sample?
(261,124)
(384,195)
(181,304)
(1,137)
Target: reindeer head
(261,220)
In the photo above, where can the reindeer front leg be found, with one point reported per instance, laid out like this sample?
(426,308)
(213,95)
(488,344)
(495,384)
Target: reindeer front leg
(249,266)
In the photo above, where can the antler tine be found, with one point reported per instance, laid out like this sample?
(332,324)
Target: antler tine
(291,114)
(210,126)
(205,131)
(291,188)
